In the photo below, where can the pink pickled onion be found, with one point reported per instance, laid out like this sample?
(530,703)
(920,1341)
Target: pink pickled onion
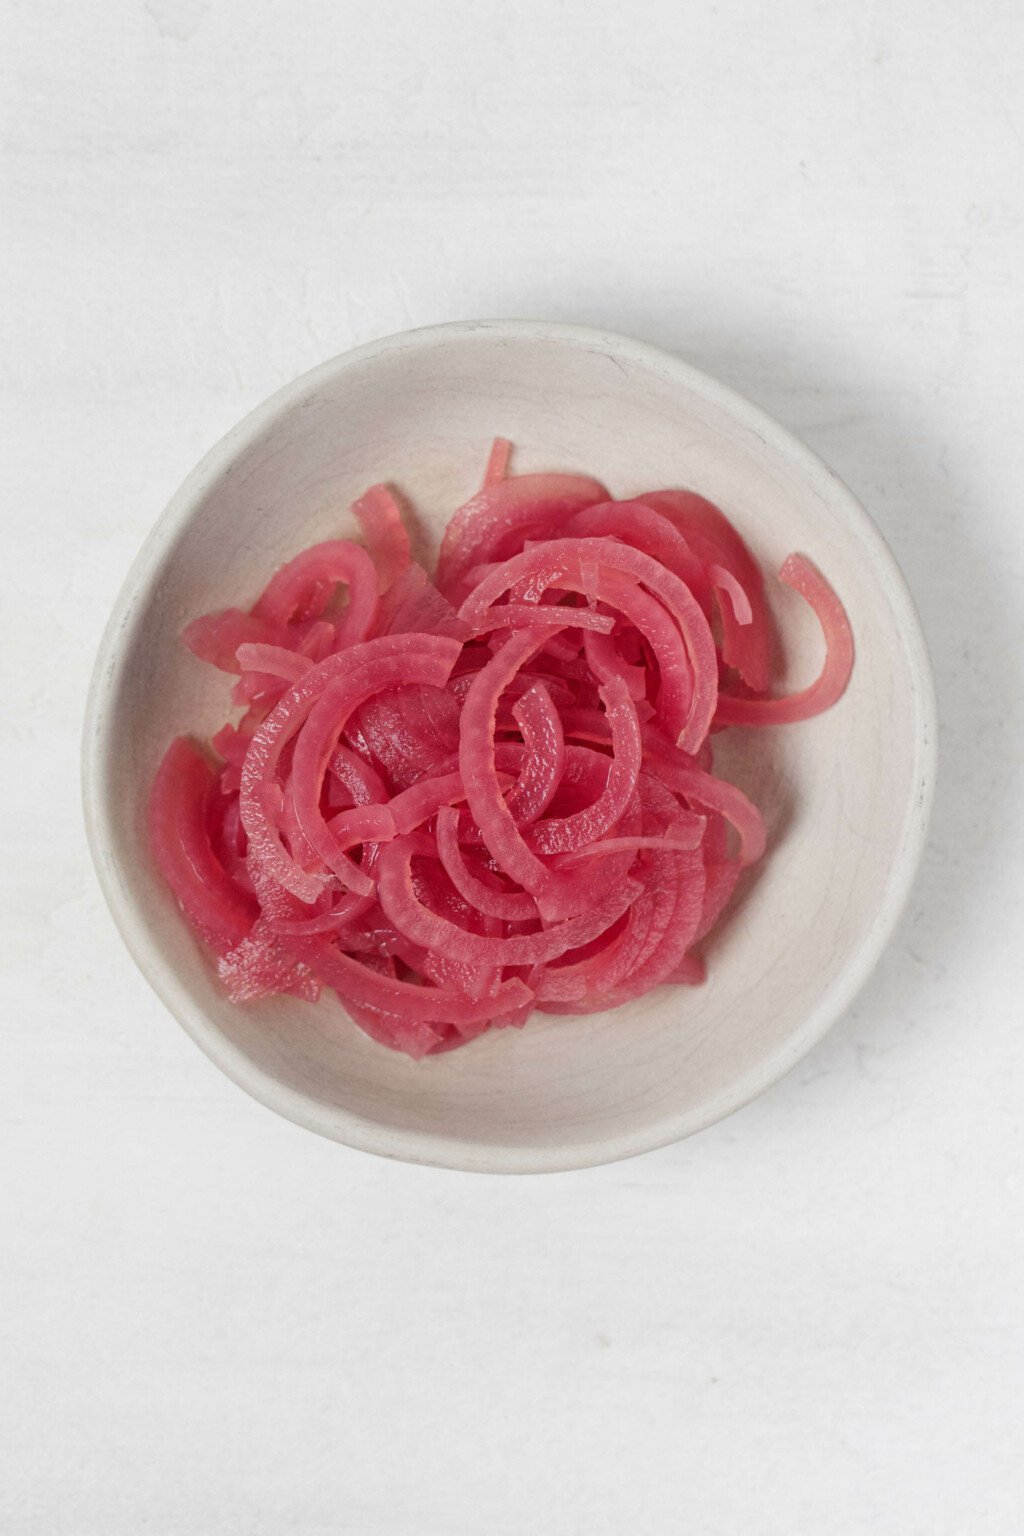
(387,541)
(828,689)
(177,816)
(451,818)
(497,462)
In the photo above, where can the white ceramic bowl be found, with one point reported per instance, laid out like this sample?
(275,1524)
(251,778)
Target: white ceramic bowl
(846,796)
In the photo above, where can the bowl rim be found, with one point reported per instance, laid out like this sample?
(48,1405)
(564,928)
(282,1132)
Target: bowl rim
(434,1148)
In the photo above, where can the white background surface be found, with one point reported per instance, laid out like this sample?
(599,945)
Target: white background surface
(808,1319)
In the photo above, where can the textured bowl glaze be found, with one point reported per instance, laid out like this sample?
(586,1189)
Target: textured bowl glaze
(846,796)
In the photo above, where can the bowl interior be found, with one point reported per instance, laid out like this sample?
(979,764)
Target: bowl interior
(844,795)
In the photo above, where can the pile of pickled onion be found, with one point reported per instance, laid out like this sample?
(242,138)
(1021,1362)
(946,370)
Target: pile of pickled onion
(454,801)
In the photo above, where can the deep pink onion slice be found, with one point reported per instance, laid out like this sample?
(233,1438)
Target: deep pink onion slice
(678,934)
(683,870)
(415,1038)
(568,834)
(431,721)
(656,631)
(498,520)
(413,605)
(410,1001)
(703,789)
(401,1008)
(180,839)
(216,636)
(318,641)
(798,573)
(606,661)
(410,731)
(638,524)
(359,777)
(747,647)
(318,740)
(544,762)
(721,881)
(331,920)
(663,923)
(660,926)
(302,588)
(262,965)
(387,539)
(556,895)
(476,981)
(227,837)
(690,972)
(231,744)
(680,837)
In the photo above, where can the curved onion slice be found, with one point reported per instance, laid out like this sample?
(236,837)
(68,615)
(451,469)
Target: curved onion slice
(303,587)
(355,981)
(181,842)
(636,523)
(533,616)
(387,540)
(568,834)
(715,542)
(540,726)
(497,521)
(216,637)
(512,906)
(798,573)
(681,837)
(556,895)
(703,789)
